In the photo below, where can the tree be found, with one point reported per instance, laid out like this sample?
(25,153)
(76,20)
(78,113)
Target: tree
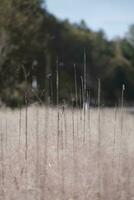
(130,35)
(24,40)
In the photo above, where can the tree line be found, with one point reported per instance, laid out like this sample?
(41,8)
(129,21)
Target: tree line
(33,43)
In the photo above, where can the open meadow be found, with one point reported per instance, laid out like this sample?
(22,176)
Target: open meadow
(66,100)
(66,154)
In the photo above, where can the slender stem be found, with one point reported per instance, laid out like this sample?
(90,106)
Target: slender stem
(26,127)
(76,89)
(58,115)
(37,149)
(121,135)
(19,125)
(99,141)
(85,77)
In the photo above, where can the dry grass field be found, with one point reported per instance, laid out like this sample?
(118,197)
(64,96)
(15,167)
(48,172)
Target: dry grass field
(66,154)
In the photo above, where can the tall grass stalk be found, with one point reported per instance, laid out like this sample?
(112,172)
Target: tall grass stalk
(99,142)
(58,114)
(65,126)
(63,155)
(46,130)
(84,95)
(114,148)
(73,140)
(76,96)
(26,75)
(73,129)
(114,135)
(26,127)
(82,92)
(80,97)
(76,88)
(83,103)
(121,142)
(26,143)
(20,124)
(89,121)
(114,138)
(37,150)
(6,129)
(85,79)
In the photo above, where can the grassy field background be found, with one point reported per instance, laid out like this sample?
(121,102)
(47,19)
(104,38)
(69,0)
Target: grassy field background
(66,154)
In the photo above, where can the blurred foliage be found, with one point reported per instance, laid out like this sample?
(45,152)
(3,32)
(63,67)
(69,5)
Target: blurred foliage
(31,40)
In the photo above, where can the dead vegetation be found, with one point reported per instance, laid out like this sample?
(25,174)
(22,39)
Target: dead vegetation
(65,154)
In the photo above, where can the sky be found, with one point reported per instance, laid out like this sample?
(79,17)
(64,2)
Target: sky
(113,16)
